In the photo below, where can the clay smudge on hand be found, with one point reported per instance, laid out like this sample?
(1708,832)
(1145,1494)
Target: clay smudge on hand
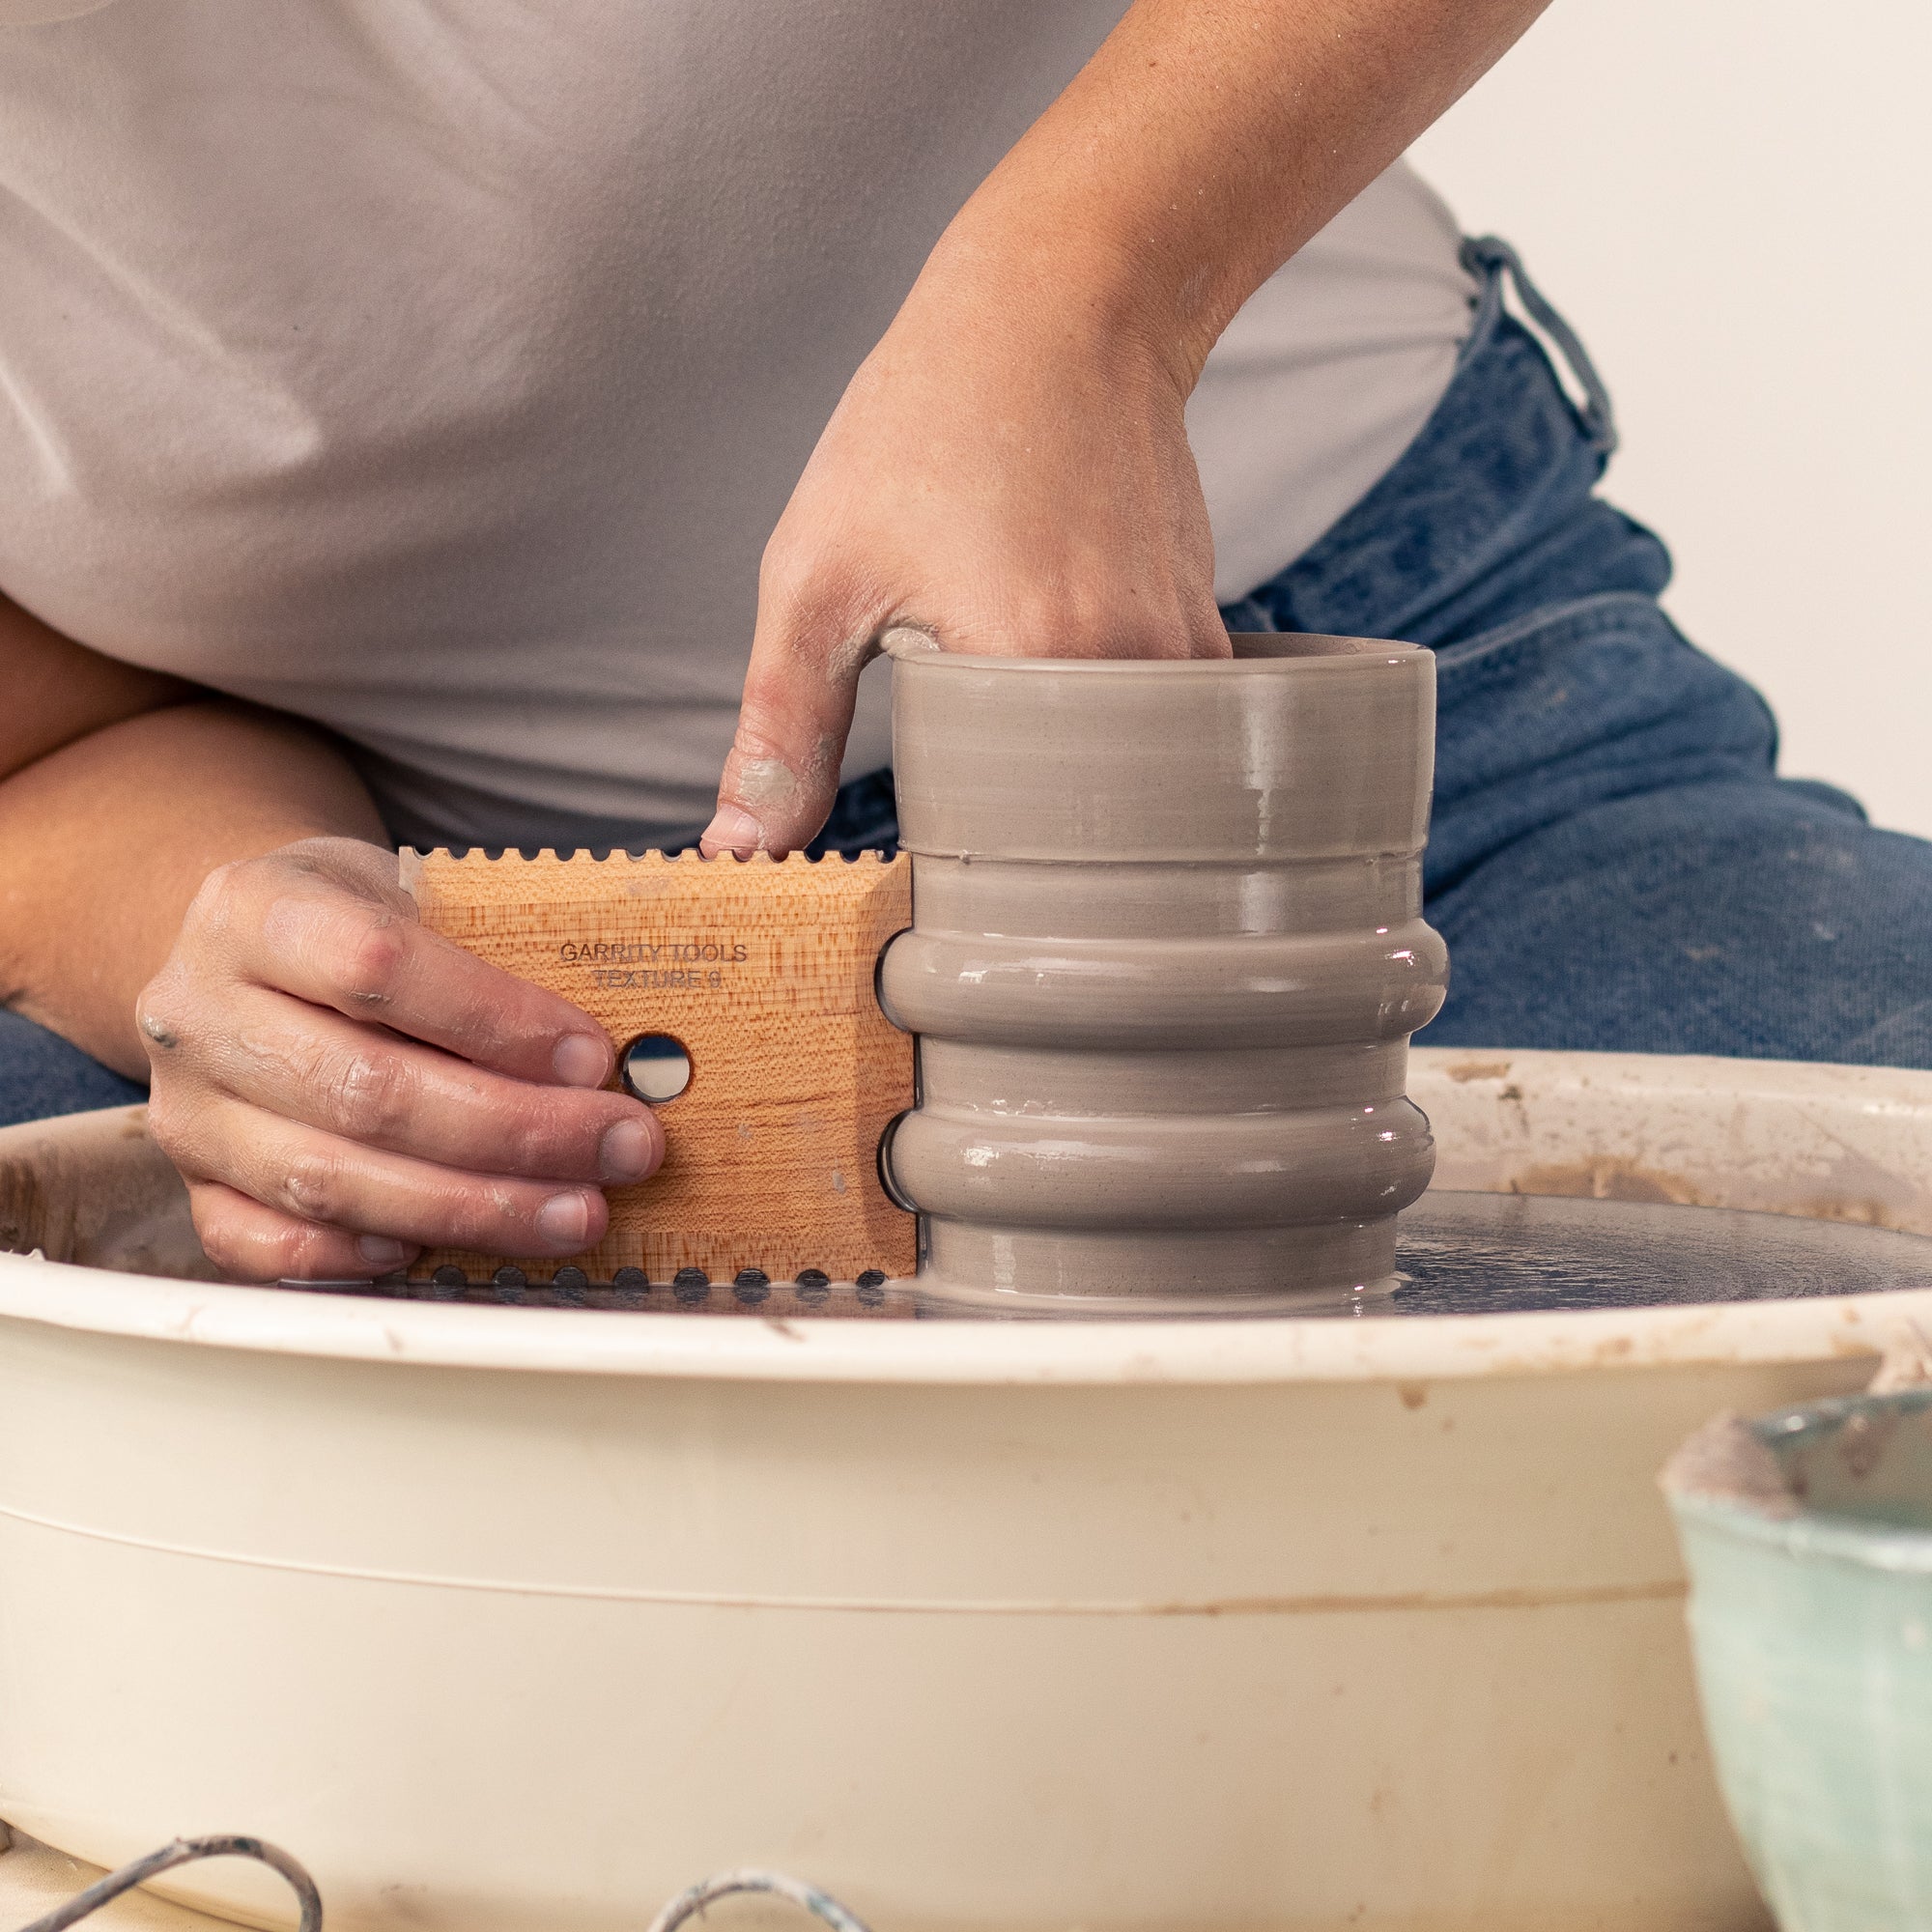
(908,640)
(763,783)
(771,783)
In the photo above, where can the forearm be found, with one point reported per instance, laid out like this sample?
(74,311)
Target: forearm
(58,690)
(105,842)
(1201,147)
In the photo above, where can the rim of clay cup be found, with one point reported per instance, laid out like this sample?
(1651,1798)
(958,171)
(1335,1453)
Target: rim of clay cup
(1800,1530)
(1284,648)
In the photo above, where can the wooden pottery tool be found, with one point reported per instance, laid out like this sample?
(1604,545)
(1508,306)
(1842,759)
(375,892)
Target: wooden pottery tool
(740,996)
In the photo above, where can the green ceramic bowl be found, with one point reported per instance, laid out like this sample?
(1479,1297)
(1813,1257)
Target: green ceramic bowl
(1808,1538)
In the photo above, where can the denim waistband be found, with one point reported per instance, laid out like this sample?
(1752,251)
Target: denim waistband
(1494,263)
(1488,514)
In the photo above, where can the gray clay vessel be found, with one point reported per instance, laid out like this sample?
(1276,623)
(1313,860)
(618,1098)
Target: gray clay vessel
(1167,952)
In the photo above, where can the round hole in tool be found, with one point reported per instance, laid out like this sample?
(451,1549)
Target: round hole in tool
(656,1068)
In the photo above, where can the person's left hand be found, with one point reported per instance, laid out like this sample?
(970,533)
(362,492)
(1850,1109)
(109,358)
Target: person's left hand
(1007,474)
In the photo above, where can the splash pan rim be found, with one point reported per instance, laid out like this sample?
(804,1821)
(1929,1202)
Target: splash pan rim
(64,1295)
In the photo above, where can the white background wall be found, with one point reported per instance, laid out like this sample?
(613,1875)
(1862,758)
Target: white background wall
(1732,202)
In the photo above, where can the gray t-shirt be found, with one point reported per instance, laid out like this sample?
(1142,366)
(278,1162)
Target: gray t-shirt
(438,372)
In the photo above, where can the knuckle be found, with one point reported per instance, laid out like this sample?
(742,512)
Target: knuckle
(290,1251)
(309,1184)
(502,1020)
(370,1095)
(808,590)
(196,1133)
(352,869)
(370,958)
(301,1252)
(167,1120)
(223,1239)
(789,567)
(758,756)
(214,908)
(218,1242)
(160,1013)
(504,1205)
(218,885)
(499,1212)
(178,1123)
(530,1145)
(553,1140)
(484,1029)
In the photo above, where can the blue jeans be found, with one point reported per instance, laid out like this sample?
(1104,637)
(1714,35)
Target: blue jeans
(1613,860)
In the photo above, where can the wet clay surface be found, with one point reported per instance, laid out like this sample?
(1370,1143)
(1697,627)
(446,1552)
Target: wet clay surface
(1167,952)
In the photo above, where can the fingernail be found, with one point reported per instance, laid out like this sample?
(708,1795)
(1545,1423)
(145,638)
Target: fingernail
(627,1150)
(380,1251)
(564,1220)
(582,1060)
(733,830)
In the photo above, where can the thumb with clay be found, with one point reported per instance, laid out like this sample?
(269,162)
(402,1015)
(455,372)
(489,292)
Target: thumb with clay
(1003,476)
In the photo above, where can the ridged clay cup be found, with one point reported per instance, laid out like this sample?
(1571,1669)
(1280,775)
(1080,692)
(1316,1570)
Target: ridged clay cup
(1166,956)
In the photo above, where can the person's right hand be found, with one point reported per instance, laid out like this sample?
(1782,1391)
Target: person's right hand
(341,1089)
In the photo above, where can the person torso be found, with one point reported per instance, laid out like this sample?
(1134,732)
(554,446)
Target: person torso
(438,372)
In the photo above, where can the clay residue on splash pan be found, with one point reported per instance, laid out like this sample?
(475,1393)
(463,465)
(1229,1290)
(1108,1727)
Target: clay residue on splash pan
(1466,1070)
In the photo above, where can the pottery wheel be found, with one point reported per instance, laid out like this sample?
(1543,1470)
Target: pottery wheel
(1456,1254)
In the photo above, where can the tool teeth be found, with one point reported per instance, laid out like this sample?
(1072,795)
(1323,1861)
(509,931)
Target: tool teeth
(412,858)
(452,1275)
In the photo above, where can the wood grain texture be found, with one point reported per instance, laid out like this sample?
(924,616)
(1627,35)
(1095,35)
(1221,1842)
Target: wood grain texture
(764,971)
